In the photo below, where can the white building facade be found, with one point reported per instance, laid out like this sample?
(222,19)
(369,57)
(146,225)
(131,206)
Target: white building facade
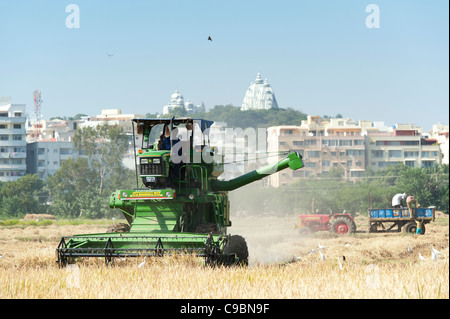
(12,140)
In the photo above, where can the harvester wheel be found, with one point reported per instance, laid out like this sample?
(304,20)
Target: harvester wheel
(237,246)
(342,225)
(119,228)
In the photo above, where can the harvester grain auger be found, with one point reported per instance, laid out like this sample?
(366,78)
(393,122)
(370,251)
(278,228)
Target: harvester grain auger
(180,206)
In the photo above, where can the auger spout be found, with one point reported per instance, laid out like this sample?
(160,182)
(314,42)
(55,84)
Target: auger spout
(293,161)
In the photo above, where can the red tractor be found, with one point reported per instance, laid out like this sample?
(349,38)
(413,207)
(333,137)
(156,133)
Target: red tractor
(340,223)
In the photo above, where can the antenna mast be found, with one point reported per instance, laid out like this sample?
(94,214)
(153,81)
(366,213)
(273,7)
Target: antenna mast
(37,111)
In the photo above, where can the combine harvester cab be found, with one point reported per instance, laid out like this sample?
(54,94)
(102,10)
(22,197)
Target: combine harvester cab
(179,205)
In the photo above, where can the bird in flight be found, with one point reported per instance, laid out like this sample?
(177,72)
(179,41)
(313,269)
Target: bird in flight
(109,54)
(209,38)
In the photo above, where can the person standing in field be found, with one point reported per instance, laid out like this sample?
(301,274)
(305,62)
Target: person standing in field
(419,224)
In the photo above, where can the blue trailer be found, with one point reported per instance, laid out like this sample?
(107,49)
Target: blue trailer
(399,219)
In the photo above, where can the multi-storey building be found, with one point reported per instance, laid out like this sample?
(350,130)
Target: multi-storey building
(440,133)
(115,117)
(406,146)
(45,157)
(336,144)
(351,148)
(12,140)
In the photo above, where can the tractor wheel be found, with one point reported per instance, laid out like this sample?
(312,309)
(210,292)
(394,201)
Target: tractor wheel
(342,225)
(304,231)
(119,228)
(237,246)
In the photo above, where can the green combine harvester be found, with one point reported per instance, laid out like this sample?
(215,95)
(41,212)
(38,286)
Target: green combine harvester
(179,206)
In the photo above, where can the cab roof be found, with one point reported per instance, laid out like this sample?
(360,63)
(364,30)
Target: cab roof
(149,123)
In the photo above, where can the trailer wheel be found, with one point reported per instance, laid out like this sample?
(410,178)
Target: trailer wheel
(342,225)
(237,246)
(410,227)
(423,229)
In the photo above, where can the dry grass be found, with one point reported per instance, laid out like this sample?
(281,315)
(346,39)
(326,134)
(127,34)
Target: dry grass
(376,266)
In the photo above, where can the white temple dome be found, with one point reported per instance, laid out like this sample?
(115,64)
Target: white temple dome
(259,96)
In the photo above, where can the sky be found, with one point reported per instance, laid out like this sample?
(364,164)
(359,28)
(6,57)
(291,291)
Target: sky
(320,57)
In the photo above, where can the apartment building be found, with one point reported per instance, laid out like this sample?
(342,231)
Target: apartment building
(323,145)
(353,147)
(440,133)
(12,140)
(405,146)
(45,157)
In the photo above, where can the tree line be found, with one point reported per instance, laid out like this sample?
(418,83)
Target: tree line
(430,186)
(235,117)
(81,187)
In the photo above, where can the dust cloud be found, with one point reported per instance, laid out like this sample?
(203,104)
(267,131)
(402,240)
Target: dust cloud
(270,235)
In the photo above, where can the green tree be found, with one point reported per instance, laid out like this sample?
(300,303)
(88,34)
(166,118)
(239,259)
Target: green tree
(73,190)
(105,145)
(25,196)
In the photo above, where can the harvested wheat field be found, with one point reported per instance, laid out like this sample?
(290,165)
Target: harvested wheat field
(281,266)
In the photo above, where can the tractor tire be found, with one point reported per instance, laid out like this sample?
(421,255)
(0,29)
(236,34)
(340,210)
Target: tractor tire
(304,231)
(342,226)
(237,246)
(119,228)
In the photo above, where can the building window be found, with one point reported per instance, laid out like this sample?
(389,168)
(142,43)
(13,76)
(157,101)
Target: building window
(282,143)
(41,151)
(4,137)
(410,143)
(17,161)
(326,164)
(409,154)
(427,163)
(17,137)
(345,143)
(310,164)
(313,153)
(356,173)
(3,126)
(17,126)
(355,152)
(298,143)
(64,151)
(395,153)
(310,142)
(377,154)
(410,163)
